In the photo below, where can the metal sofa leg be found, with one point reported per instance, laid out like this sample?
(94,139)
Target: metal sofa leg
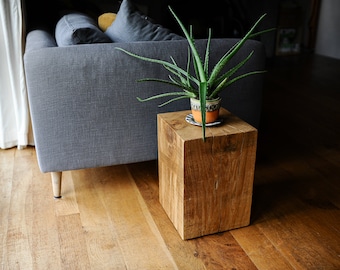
(56,184)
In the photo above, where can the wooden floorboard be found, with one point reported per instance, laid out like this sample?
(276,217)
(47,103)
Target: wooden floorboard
(110,218)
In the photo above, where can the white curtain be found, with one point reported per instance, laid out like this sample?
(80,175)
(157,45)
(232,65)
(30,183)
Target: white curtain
(14,113)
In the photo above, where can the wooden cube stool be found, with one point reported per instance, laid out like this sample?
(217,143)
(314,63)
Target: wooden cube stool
(206,187)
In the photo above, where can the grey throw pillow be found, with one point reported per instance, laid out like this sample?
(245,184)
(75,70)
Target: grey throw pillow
(78,28)
(132,25)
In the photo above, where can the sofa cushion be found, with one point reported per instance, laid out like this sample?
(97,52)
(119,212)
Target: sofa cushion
(131,25)
(78,28)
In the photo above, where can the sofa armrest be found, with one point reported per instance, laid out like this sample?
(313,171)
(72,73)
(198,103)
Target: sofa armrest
(38,39)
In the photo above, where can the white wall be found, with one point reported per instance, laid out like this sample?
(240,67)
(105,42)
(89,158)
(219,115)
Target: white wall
(328,33)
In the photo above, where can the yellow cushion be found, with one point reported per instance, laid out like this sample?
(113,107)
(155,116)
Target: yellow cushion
(105,20)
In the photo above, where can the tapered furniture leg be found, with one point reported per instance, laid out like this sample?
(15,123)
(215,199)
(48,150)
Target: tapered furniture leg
(56,184)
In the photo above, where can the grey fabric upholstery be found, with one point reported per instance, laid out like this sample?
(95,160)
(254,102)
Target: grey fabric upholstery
(78,28)
(39,39)
(83,99)
(132,25)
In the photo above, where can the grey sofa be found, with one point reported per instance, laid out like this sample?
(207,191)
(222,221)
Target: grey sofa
(83,99)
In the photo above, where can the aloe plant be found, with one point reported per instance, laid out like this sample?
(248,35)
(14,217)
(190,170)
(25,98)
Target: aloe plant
(202,84)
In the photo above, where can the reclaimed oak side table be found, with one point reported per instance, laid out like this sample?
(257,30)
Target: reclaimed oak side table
(206,187)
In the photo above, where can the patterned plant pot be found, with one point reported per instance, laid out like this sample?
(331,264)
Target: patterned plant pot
(212,110)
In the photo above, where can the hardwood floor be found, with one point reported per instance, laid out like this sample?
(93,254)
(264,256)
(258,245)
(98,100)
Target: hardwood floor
(110,218)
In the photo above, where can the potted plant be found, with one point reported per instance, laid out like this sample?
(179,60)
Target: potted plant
(202,87)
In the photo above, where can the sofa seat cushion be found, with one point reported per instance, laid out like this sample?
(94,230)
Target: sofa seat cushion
(132,25)
(78,28)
